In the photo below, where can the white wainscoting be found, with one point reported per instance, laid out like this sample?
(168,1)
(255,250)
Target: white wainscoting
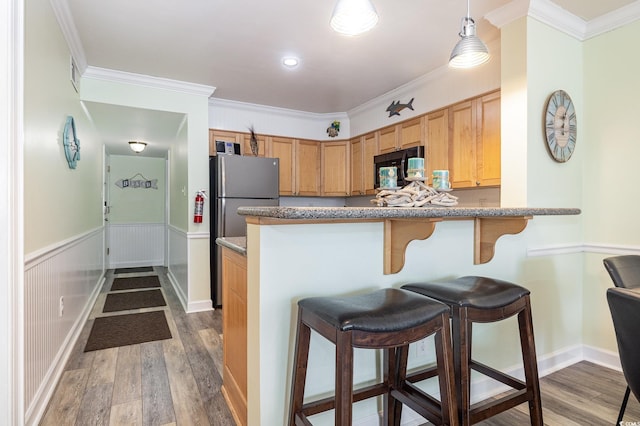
(71,271)
(136,244)
(178,264)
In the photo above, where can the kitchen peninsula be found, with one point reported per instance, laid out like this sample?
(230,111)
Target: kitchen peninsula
(293,253)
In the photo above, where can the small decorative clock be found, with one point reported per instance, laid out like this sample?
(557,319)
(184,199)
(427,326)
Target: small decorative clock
(560,126)
(71,143)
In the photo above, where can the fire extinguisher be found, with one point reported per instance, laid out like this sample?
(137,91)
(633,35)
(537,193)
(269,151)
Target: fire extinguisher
(199,207)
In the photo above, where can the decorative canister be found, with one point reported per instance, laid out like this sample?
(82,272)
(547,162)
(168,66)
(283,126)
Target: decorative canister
(441,180)
(388,177)
(416,168)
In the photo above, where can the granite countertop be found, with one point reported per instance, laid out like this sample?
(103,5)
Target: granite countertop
(237,244)
(352,213)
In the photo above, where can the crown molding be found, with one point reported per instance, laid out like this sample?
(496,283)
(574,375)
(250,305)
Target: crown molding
(556,17)
(70,32)
(612,20)
(249,107)
(147,81)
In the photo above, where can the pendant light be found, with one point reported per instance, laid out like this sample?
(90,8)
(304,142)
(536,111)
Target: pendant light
(470,51)
(137,147)
(353,17)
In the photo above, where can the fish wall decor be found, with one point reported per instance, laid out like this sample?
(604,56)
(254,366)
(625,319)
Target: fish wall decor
(396,107)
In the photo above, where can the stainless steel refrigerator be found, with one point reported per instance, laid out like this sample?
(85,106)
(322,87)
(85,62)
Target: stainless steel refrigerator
(236,181)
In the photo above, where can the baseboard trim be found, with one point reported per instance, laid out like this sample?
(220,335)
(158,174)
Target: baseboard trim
(181,296)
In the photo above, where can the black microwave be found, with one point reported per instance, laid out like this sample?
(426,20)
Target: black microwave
(399,159)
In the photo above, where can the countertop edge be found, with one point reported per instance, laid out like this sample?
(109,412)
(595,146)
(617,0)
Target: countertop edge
(237,244)
(311,213)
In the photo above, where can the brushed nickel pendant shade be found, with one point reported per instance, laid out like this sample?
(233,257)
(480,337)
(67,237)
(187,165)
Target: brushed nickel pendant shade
(353,17)
(470,51)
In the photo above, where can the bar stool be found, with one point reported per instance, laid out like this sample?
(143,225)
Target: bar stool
(386,319)
(479,299)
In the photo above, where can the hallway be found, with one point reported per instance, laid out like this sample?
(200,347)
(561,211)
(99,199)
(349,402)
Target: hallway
(174,381)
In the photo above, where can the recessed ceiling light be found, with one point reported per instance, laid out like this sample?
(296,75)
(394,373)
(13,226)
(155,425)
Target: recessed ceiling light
(290,62)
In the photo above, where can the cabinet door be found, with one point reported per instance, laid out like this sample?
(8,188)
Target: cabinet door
(262,145)
(411,133)
(234,330)
(387,140)
(437,130)
(335,161)
(369,150)
(307,168)
(283,148)
(222,135)
(488,144)
(462,145)
(356,167)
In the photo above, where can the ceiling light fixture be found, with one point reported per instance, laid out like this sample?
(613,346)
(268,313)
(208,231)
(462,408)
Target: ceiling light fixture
(353,17)
(290,62)
(137,147)
(470,51)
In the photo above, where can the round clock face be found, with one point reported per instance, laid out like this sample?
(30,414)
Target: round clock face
(560,126)
(71,143)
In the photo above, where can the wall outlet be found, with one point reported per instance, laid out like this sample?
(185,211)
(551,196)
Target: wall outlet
(61,308)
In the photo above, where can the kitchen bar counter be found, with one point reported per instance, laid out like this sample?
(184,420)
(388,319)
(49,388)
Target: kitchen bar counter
(401,225)
(293,253)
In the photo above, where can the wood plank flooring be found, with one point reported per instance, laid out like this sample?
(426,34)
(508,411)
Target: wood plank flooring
(177,381)
(168,382)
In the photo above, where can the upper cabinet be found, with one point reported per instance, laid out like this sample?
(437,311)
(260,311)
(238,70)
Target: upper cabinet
(437,141)
(356,170)
(307,182)
(334,170)
(387,139)
(411,133)
(284,150)
(488,140)
(262,145)
(222,135)
(369,150)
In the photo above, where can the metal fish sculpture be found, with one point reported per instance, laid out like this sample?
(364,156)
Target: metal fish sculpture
(253,142)
(396,107)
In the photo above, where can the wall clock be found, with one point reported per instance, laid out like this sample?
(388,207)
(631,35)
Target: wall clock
(560,126)
(71,143)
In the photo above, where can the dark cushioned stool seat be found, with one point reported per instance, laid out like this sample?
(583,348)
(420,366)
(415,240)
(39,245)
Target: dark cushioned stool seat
(388,319)
(480,299)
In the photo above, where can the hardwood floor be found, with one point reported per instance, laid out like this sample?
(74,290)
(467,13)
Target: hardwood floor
(178,381)
(175,381)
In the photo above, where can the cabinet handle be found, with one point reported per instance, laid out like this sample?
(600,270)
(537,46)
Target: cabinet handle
(477,183)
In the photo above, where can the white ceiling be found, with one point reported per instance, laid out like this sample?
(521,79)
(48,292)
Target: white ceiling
(236,46)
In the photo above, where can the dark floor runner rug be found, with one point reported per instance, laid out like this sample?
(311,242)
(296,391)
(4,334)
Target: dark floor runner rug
(133,300)
(131,283)
(136,269)
(131,329)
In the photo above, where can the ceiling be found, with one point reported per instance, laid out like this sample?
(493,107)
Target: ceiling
(236,46)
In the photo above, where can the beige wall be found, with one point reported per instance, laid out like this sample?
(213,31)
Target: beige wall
(60,203)
(136,205)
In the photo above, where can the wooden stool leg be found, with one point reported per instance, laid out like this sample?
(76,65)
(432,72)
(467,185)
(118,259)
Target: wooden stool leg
(446,380)
(344,379)
(401,357)
(462,331)
(530,364)
(301,357)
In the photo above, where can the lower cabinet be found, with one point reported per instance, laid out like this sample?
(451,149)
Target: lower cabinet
(234,332)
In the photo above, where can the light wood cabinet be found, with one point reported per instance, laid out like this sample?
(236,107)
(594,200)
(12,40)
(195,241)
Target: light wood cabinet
(369,150)
(246,145)
(411,133)
(488,140)
(234,330)
(334,168)
(474,142)
(357,170)
(283,149)
(437,142)
(387,139)
(307,167)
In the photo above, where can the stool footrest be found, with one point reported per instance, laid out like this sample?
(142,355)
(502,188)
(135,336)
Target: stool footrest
(421,375)
(497,375)
(420,402)
(329,403)
(486,409)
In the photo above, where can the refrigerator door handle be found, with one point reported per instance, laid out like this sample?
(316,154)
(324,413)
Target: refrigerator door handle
(222,217)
